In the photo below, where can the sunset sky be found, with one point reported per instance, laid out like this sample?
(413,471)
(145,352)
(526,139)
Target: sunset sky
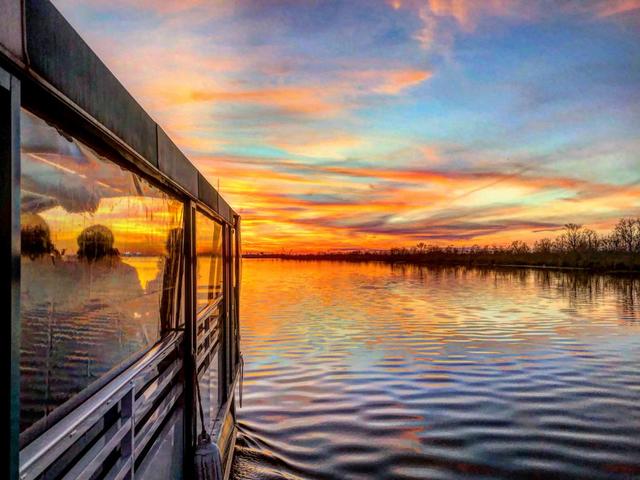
(372,124)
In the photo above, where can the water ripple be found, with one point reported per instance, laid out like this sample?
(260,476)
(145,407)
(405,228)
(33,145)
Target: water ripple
(371,371)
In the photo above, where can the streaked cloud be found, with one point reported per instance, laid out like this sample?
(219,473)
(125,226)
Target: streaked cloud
(370,124)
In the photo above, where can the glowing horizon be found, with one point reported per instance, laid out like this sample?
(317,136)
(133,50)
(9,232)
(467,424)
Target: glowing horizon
(362,124)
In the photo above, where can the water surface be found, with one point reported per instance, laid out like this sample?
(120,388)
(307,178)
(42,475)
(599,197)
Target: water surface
(378,371)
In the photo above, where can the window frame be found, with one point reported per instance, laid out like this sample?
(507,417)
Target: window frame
(54,113)
(212,216)
(220,350)
(10,93)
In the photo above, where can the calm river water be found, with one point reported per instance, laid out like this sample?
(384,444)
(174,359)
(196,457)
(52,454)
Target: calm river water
(377,371)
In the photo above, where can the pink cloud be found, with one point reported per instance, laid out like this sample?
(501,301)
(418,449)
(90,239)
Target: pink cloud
(442,18)
(617,7)
(389,82)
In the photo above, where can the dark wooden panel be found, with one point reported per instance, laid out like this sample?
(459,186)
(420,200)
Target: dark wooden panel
(61,57)
(206,193)
(11,27)
(173,163)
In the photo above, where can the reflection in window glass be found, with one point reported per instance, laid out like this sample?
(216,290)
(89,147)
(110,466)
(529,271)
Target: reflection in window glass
(209,260)
(101,265)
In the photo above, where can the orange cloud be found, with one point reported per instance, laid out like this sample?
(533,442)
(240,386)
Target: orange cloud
(318,146)
(303,207)
(293,99)
(389,82)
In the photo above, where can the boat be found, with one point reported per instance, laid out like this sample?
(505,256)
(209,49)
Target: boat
(121,281)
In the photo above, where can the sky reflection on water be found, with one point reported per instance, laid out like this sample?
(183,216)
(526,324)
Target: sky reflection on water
(374,371)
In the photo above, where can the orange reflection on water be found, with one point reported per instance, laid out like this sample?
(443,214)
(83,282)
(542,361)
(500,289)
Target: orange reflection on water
(423,372)
(486,308)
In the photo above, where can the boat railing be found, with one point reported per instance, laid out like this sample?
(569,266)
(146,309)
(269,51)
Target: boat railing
(109,433)
(207,333)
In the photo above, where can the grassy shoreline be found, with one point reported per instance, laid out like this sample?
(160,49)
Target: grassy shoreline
(613,266)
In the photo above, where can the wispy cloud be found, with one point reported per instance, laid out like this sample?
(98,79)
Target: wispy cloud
(376,123)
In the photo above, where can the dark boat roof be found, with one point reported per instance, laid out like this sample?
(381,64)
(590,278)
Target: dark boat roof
(39,43)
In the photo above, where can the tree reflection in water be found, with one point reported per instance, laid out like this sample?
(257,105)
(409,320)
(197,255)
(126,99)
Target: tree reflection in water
(580,289)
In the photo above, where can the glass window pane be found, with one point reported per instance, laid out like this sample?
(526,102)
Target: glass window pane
(208,384)
(101,266)
(165,459)
(208,260)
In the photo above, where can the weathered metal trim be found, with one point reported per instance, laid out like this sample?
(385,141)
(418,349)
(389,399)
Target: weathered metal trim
(238,281)
(224,210)
(173,163)
(207,194)
(60,56)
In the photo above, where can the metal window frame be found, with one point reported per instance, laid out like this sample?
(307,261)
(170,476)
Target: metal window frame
(189,337)
(45,108)
(39,450)
(221,345)
(10,89)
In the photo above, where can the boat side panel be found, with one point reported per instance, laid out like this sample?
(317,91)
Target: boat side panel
(173,163)
(224,210)
(207,194)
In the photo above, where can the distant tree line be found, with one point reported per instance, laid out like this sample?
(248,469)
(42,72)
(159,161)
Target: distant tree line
(576,247)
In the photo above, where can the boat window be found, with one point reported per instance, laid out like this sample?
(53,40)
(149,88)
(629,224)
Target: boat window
(208,382)
(101,260)
(209,260)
